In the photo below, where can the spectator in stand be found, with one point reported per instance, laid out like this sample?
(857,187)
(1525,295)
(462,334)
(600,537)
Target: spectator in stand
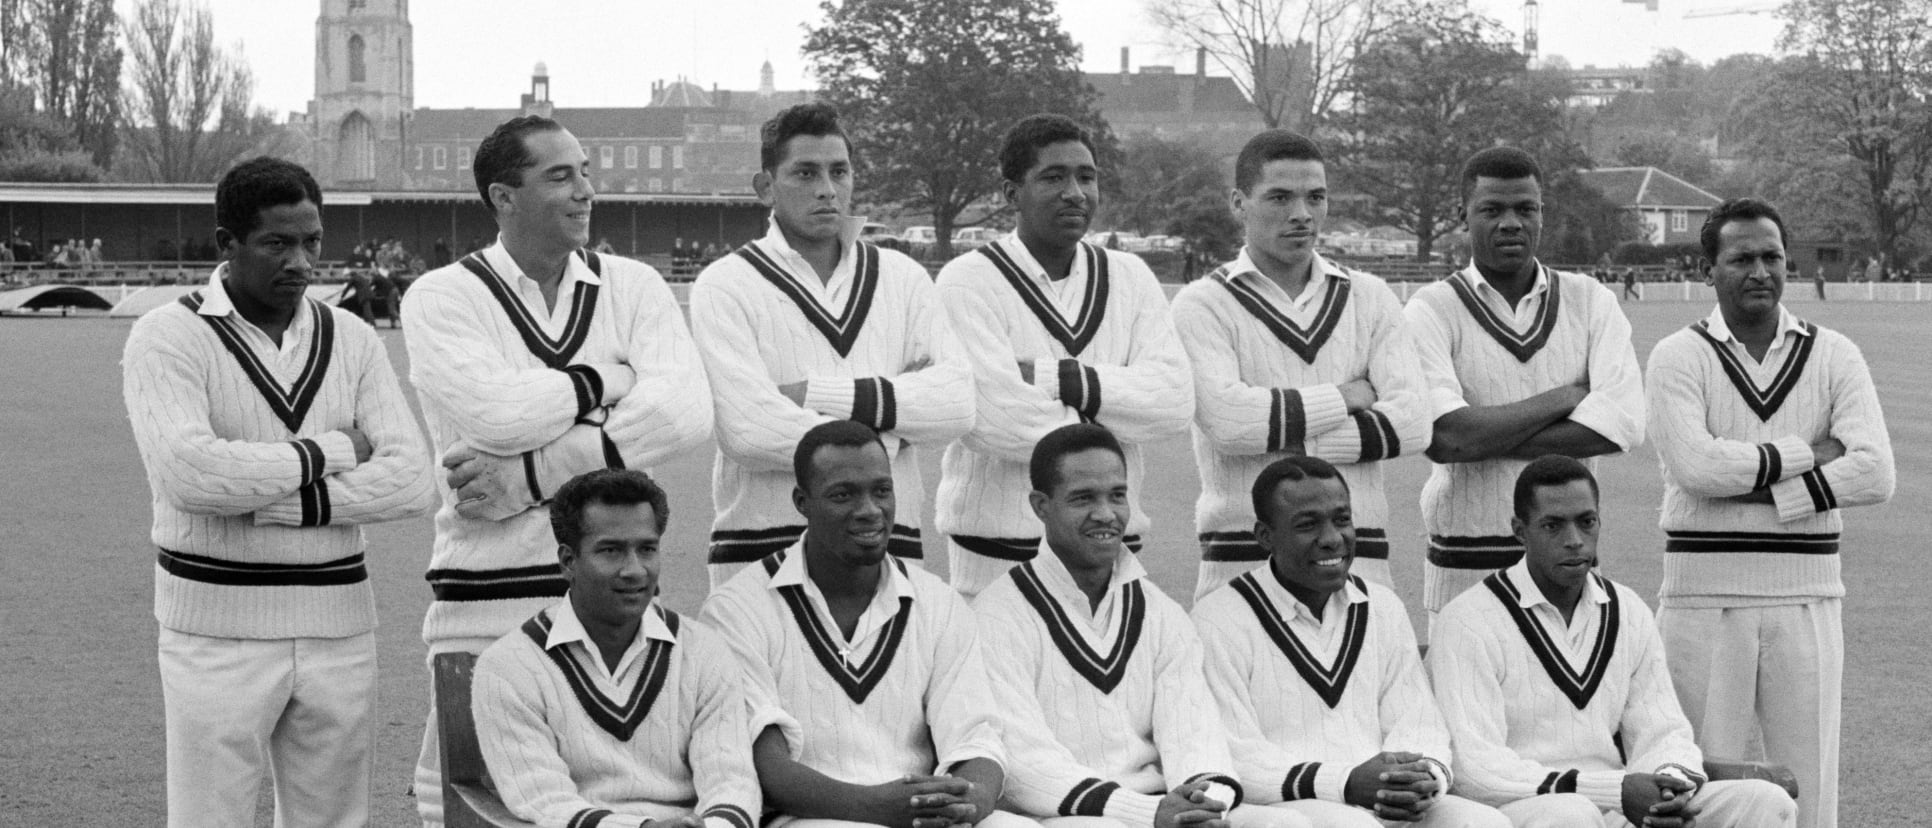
(604,248)
(712,252)
(1875,269)
(440,255)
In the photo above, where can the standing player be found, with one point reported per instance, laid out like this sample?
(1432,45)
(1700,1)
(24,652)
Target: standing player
(534,361)
(878,665)
(1099,671)
(1316,674)
(272,427)
(807,325)
(1057,331)
(1766,426)
(1553,681)
(1293,354)
(1520,361)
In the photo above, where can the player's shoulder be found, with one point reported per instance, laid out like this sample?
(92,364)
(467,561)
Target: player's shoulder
(1684,343)
(1438,295)
(1584,286)
(454,276)
(1222,606)
(1382,600)
(1001,598)
(166,319)
(1629,602)
(1473,606)
(515,653)
(967,269)
(618,270)
(1127,267)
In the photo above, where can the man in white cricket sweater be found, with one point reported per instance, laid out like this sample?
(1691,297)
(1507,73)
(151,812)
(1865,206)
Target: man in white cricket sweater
(1056,331)
(1293,354)
(1767,426)
(534,360)
(1552,679)
(1315,671)
(1098,671)
(1520,361)
(808,325)
(878,663)
(608,709)
(272,428)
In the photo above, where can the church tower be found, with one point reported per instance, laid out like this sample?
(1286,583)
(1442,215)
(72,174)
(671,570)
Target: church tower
(365,82)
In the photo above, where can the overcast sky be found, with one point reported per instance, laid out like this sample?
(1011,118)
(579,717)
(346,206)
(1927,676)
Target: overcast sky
(479,53)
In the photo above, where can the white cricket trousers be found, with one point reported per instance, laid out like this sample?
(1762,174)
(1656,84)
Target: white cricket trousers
(1735,803)
(300,710)
(1448,812)
(428,782)
(1770,676)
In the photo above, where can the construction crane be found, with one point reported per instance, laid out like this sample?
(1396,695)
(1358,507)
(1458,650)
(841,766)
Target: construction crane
(1728,11)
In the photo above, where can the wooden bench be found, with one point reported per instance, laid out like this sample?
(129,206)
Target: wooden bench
(469,800)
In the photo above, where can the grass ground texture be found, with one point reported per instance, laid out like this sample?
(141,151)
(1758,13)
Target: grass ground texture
(80,698)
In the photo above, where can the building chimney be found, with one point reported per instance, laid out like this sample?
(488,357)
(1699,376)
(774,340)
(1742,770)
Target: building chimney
(1200,65)
(1126,73)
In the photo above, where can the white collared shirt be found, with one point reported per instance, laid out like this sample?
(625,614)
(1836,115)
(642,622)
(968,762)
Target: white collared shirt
(1525,308)
(286,358)
(1319,272)
(1581,630)
(1325,632)
(1787,324)
(552,316)
(567,628)
(831,292)
(1103,618)
(1068,294)
(885,602)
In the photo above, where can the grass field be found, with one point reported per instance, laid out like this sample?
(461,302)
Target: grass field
(81,724)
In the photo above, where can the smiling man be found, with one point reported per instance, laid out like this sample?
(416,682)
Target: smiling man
(1520,361)
(877,663)
(1293,354)
(1316,674)
(1099,672)
(534,360)
(1767,426)
(272,427)
(809,325)
(1057,331)
(1552,678)
(608,709)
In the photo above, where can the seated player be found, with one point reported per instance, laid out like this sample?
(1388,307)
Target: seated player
(890,712)
(1553,681)
(1099,672)
(1327,709)
(608,709)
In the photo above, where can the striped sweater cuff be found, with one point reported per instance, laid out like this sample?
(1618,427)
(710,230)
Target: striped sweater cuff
(874,403)
(832,396)
(1603,788)
(1078,386)
(1782,459)
(589,386)
(1287,420)
(1133,809)
(338,453)
(314,464)
(728,816)
(1089,798)
(1379,441)
(589,818)
(1234,796)
(1803,496)
(1314,780)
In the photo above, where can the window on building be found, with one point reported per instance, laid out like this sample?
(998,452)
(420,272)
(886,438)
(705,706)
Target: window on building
(1679,221)
(358,70)
(677,158)
(419,158)
(606,156)
(677,185)
(630,157)
(441,156)
(657,184)
(357,5)
(657,159)
(462,158)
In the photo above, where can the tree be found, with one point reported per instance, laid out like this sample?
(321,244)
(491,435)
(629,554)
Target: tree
(1176,188)
(66,53)
(1674,154)
(933,87)
(1292,58)
(190,103)
(1856,87)
(1435,87)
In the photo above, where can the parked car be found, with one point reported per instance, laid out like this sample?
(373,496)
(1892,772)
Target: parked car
(974,237)
(920,236)
(875,232)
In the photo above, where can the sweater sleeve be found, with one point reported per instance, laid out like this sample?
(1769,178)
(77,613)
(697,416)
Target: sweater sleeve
(196,471)
(1468,663)
(959,701)
(493,403)
(758,426)
(1398,422)
(755,645)
(1407,705)
(1187,723)
(1043,776)
(1614,408)
(1152,396)
(668,411)
(520,750)
(1235,416)
(1268,773)
(1434,352)
(1703,463)
(1653,725)
(721,735)
(395,483)
(1012,415)
(1865,475)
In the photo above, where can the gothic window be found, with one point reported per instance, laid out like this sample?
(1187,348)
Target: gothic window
(462,158)
(630,157)
(677,157)
(441,155)
(657,159)
(358,5)
(358,71)
(355,149)
(604,156)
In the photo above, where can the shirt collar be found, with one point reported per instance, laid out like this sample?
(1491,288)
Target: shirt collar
(1320,271)
(1529,595)
(1024,258)
(1475,280)
(1054,572)
(849,227)
(1271,584)
(575,270)
(893,584)
(216,302)
(1787,323)
(565,627)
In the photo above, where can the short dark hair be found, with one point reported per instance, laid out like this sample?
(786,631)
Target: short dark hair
(1293,467)
(1737,209)
(1272,145)
(256,185)
(847,433)
(1021,149)
(1499,162)
(610,487)
(1044,467)
(503,156)
(1549,470)
(816,119)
